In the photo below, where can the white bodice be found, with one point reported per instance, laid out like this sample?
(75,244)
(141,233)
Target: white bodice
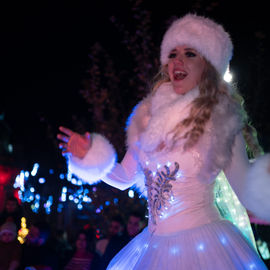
(179,190)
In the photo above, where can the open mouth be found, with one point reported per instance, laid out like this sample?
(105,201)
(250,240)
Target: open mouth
(179,75)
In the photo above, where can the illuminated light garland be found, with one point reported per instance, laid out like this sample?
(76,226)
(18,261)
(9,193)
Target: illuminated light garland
(263,249)
(231,208)
(28,185)
(35,169)
(23,231)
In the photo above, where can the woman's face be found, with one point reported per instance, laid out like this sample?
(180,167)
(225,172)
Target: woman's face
(185,68)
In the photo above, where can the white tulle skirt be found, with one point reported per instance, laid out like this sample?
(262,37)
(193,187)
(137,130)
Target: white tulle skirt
(215,246)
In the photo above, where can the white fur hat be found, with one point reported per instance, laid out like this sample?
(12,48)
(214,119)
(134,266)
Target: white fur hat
(203,35)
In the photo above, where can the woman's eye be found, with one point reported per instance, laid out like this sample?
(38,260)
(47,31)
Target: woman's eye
(172,55)
(191,54)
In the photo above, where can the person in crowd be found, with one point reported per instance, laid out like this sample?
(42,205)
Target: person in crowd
(61,246)
(189,129)
(12,212)
(10,249)
(115,228)
(37,251)
(84,256)
(117,242)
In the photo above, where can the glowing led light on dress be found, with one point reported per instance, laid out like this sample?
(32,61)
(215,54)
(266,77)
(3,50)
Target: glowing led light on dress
(146,163)
(223,240)
(174,250)
(79,206)
(32,189)
(169,164)
(163,215)
(158,166)
(200,247)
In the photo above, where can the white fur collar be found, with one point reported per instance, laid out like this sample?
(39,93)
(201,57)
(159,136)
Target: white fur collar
(156,115)
(167,109)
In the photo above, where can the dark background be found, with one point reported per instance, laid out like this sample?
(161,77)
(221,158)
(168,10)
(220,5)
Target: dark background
(44,58)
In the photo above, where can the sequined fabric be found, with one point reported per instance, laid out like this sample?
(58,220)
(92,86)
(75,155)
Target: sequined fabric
(159,189)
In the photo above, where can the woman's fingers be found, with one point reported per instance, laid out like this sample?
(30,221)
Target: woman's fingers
(72,143)
(62,138)
(66,131)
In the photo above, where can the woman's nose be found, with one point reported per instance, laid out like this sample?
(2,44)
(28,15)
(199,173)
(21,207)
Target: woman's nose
(180,58)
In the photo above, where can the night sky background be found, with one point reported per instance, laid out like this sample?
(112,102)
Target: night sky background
(44,57)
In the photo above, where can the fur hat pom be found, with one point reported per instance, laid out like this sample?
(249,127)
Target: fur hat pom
(203,35)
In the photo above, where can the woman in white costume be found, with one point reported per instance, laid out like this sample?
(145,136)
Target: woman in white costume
(179,138)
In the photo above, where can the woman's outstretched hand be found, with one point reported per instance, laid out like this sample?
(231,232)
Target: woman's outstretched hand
(73,143)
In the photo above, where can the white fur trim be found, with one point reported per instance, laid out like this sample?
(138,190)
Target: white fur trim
(227,122)
(256,192)
(138,121)
(98,161)
(203,35)
(167,110)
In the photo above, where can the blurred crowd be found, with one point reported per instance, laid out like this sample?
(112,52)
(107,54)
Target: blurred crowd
(46,249)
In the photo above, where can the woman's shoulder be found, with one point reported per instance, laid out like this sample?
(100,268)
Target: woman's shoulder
(138,120)
(228,112)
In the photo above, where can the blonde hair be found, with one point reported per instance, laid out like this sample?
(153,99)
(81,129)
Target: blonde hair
(211,88)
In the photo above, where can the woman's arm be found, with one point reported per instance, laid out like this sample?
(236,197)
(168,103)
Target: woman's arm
(124,175)
(237,170)
(250,181)
(92,158)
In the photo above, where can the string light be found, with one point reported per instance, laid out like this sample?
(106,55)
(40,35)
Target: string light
(231,208)
(35,169)
(23,231)
(228,76)
(28,191)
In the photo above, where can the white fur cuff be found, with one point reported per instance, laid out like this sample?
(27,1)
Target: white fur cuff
(257,188)
(98,161)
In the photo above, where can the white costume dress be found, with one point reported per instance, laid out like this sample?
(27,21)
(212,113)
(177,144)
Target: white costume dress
(185,229)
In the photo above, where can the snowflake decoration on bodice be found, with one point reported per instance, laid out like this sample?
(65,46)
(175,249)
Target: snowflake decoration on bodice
(159,189)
